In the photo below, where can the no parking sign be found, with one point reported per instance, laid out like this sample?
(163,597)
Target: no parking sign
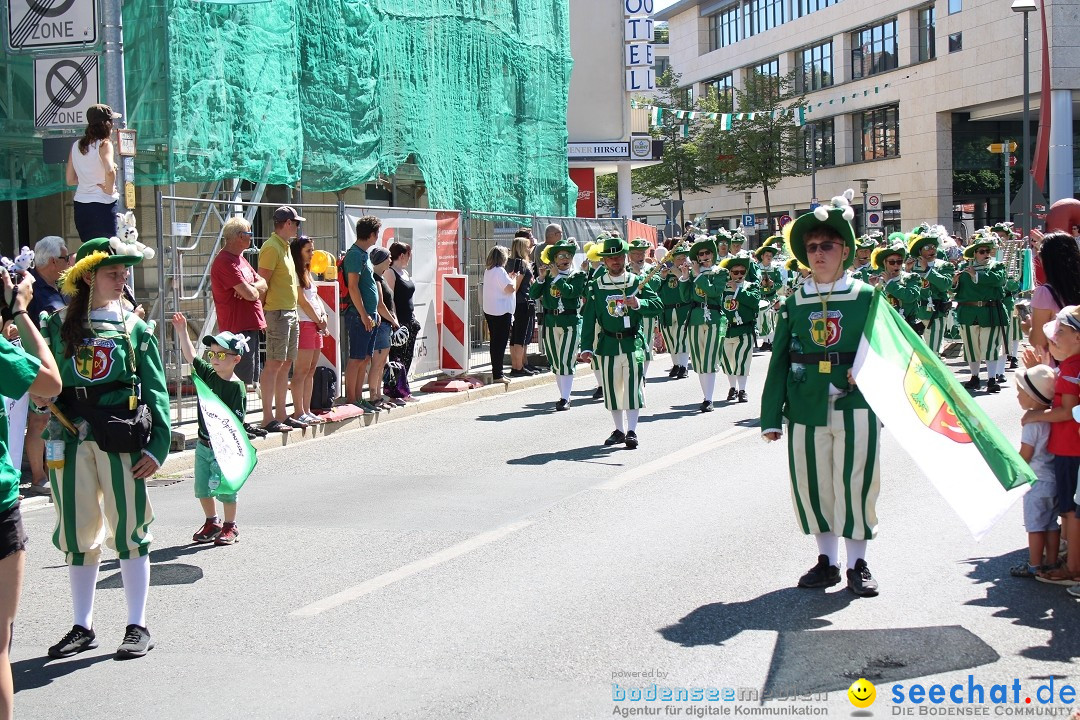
(64,89)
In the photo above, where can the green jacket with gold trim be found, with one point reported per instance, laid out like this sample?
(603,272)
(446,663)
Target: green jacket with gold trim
(560,295)
(609,326)
(741,309)
(706,291)
(980,300)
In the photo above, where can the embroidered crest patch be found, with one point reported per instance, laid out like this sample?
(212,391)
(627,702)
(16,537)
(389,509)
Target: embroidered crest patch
(93,360)
(825,331)
(616,305)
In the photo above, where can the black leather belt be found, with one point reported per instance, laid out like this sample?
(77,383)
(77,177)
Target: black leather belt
(632,332)
(836,358)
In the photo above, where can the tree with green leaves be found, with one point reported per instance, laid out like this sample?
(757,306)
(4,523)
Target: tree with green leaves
(754,152)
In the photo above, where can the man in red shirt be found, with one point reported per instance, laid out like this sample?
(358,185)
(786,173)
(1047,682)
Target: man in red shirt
(238,291)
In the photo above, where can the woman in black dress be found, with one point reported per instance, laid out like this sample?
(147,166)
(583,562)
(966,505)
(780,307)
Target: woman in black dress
(403,288)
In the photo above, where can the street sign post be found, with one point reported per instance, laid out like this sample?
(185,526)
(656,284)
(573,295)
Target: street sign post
(1001,147)
(874,219)
(748,221)
(51,24)
(873,201)
(64,88)
(1006,150)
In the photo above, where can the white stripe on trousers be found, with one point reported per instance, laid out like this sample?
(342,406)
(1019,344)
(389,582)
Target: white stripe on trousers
(561,346)
(623,382)
(934,334)
(675,338)
(736,355)
(706,347)
(981,344)
(835,473)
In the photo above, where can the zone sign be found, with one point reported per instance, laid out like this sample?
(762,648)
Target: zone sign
(51,24)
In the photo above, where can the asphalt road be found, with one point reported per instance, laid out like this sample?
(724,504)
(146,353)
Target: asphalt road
(493,560)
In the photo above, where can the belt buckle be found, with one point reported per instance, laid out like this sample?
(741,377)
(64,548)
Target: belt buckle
(833,358)
(80,393)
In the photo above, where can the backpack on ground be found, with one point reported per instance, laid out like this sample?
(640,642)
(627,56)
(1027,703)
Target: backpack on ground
(324,389)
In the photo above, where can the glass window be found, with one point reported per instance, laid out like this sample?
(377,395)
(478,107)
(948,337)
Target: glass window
(801,8)
(877,133)
(684,97)
(955,6)
(661,65)
(873,49)
(927,29)
(818,138)
(814,69)
(762,15)
(956,42)
(724,27)
(724,87)
(769,69)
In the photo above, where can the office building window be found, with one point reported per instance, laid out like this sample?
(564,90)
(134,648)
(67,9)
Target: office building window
(684,97)
(770,71)
(955,6)
(927,30)
(818,138)
(724,27)
(873,49)
(956,42)
(663,62)
(762,15)
(801,8)
(724,88)
(877,133)
(814,68)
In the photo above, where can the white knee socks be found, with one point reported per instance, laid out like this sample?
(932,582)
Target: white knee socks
(631,420)
(731,381)
(596,374)
(742,382)
(973,367)
(828,545)
(682,359)
(565,384)
(645,370)
(856,550)
(83,580)
(998,367)
(136,575)
(617,416)
(708,384)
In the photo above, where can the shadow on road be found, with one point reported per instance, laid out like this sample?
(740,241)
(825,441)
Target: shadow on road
(162,570)
(38,672)
(532,410)
(1031,603)
(581,454)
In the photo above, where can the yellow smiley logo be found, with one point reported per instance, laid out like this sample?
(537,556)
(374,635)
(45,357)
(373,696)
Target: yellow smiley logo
(862,693)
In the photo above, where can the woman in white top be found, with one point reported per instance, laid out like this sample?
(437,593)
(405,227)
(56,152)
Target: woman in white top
(499,305)
(312,326)
(92,167)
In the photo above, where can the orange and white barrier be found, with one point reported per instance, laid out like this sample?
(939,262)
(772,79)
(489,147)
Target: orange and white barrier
(331,349)
(454,339)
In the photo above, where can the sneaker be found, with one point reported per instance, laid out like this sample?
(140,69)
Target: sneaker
(137,642)
(732,393)
(77,640)
(229,535)
(367,407)
(520,373)
(673,372)
(562,405)
(992,386)
(683,372)
(974,383)
(311,419)
(860,581)
(822,575)
(1024,570)
(616,438)
(1014,362)
(598,394)
(631,440)
(706,406)
(398,402)
(411,399)
(535,370)
(295,423)
(207,533)
(1000,379)
(742,396)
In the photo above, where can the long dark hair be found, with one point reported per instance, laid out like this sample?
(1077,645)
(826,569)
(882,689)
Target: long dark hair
(74,328)
(296,248)
(1060,257)
(95,131)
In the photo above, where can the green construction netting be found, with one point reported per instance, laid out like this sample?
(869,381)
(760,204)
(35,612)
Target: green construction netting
(330,93)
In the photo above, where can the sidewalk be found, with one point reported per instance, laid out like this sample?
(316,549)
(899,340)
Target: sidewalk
(179,464)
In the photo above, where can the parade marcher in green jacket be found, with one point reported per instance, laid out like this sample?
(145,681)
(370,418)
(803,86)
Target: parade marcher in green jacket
(980,310)
(741,306)
(833,435)
(738,249)
(1015,334)
(901,289)
(559,288)
(615,307)
(673,319)
(593,267)
(111,368)
(862,268)
(704,287)
(935,281)
(638,265)
(771,282)
(797,274)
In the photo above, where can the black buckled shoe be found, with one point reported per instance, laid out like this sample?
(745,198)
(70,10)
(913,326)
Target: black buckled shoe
(598,394)
(1013,362)
(616,438)
(673,372)
(683,372)
(822,575)
(860,581)
(631,440)
(992,386)
(732,393)
(562,405)
(766,346)
(742,396)
(974,383)
(1000,379)
(706,406)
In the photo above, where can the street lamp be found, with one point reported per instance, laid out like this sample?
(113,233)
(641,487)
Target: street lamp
(864,187)
(746,198)
(1025,7)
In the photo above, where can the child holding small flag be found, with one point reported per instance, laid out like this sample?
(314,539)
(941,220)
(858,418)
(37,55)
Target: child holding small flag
(224,353)
(1035,391)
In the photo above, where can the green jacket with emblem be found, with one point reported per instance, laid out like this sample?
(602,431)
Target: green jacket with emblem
(560,291)
(741,309)
(935,299)
(675,308)
(799,391)
(107,358)
(603,327)
(987,288)
(776,276)
(706,291)
(904,293)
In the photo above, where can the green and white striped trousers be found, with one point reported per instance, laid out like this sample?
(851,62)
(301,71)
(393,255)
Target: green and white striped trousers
(648,330)
(981,344)
(561,347)
(934,334)
(736,356)
(1016,333)
(835,473)
(675,335)
(706,347)
(623,381)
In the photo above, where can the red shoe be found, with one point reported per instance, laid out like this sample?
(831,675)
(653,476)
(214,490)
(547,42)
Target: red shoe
(208,533)
(229,535)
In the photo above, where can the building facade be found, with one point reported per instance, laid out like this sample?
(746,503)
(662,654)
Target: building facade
(904,96)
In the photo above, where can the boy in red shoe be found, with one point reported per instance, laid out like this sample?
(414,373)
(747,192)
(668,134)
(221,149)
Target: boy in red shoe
(217,370)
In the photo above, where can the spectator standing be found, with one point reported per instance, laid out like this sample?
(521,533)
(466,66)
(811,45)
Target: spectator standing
(32,369)
(312,327)
(500,291)
(1060,258)
(238,291)
(362,315)
(521,331)
(91,166)
(51,257)
(282,326)
(403,288)
(380,262)
(1035,391)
